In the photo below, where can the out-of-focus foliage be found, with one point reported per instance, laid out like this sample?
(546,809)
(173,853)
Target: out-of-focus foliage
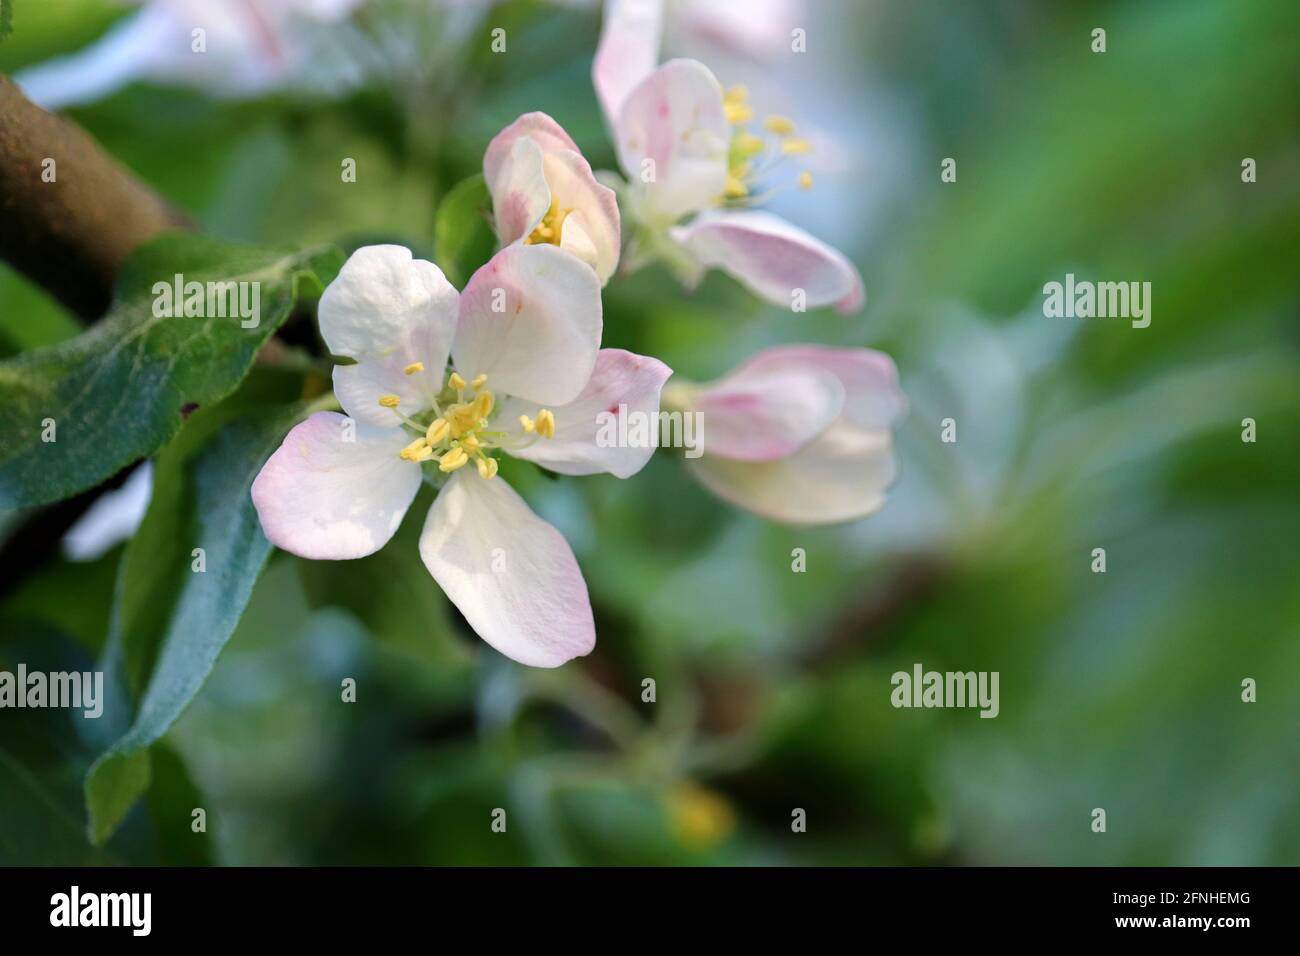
(1119,690)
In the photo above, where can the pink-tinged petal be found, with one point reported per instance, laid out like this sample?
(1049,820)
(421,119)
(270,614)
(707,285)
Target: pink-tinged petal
(591,205)
(772,258)
(511,574)
(325,497)
(754,30)
(622,399)
(841,476)
(672,139)
(872,397)
(627,52)
(533,163)
(520,196)
(549,136)
(530,319)
(764,412)
(388,310)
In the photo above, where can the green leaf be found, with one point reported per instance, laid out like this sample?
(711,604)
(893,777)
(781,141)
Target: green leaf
(6,19)
(223,522)
(462,230)
(120,390)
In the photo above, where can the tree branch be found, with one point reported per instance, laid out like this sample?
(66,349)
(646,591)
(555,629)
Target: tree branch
(69,235)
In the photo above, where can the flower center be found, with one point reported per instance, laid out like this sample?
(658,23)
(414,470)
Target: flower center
(457,428)
(751,156)
(549,229)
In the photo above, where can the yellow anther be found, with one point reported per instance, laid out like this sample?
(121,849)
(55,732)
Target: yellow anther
(487,467)
(470,443)
(527,424)
(780,125)
(546,423)
(738,113)
(389,401)
(417,450)
(736,94)
(794,146)
(413,368)
(550,229)
(735,188)
(455,381)
(438,429)
(805,180)
(452,460)
(480,380)
(747,145)
(481,407)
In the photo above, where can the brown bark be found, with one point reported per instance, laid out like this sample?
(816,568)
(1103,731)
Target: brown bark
(71,235)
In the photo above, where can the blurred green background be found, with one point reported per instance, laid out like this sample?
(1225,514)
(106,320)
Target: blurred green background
(1119,690)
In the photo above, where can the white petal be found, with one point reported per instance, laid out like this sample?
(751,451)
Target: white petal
(576,241)
(841,476)
(324,497)
(623,386)
(772,258)
(510,573)
(387,310)
(673,130)
(530,319)
(627,52)
(114,517)
(520,196)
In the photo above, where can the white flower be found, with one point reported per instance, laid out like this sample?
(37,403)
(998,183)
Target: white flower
(693,157)
(529,380)
(799,433)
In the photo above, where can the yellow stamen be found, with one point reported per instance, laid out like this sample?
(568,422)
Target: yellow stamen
(735,188)
(527,424)
(438,429)
(487,467)
(452,460)
(413,368)
(805,180)
(738,113)
(389,401)
(551,228)
(546,423)
(455,381)
(480,381)
(794,146)
(736,94)
(780,125)
(481,407)
(470,443)
(417,450)
(747,145)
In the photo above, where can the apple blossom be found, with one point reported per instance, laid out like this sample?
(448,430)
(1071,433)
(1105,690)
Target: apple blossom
(799,433)
(694,161)
(249,46)
(529,325)
(543,191)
